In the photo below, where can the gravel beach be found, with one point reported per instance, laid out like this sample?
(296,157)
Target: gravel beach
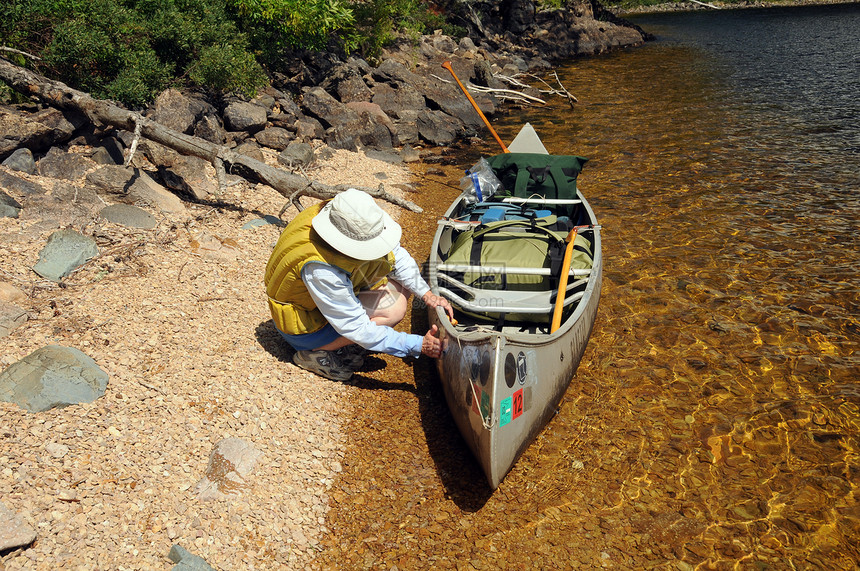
(176,316)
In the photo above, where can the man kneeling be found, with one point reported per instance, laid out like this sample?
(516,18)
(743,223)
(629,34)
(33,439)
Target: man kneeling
(338,280)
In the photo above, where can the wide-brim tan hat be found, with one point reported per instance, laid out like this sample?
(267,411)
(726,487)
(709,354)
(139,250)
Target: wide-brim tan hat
(353,224)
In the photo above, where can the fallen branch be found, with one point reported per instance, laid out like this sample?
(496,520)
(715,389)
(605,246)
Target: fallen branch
(102,112)
(570,97)
(503,94)
(19,52)
(705,4)
(550,90)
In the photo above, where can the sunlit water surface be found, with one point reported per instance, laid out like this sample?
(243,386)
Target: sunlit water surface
(714,419)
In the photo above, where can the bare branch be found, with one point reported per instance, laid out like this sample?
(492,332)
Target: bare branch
(14,51)
(504,94)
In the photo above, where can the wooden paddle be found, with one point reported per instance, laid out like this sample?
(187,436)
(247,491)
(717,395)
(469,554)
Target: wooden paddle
(562,282)
(447,65)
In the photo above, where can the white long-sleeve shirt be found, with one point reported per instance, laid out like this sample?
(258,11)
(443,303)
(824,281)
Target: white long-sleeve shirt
(332,292)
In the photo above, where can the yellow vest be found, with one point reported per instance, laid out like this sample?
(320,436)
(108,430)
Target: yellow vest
(293,309)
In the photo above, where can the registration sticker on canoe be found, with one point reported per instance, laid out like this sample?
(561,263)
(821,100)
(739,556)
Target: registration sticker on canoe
(517,405)
(485,405)
(505,416)
(511,408)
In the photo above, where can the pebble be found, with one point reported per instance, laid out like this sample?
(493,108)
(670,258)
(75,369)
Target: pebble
(56,450)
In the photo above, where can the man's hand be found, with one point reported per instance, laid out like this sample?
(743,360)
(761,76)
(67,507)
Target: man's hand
(432,345)
(433,300)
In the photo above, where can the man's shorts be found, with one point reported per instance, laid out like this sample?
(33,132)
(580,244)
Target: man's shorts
(310,341)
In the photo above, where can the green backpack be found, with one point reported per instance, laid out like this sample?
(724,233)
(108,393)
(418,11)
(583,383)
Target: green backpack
(527,174)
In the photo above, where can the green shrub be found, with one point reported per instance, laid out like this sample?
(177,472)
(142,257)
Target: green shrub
(278,24)
(228,68)
(380,21)
(130,50)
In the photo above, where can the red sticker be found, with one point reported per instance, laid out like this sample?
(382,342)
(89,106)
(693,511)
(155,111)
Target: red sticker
(517,406)
(475,390)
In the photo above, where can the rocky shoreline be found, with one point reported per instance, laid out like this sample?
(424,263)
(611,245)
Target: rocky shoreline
(148,406)
(690,6)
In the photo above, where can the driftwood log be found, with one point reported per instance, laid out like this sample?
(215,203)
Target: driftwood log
(104,113)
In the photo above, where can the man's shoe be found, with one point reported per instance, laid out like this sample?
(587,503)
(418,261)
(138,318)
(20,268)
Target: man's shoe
(351,356)
(323,363)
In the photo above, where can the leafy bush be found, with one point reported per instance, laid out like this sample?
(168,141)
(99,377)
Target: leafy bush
(279,24)
(130,50)
(227,67)
(380,21)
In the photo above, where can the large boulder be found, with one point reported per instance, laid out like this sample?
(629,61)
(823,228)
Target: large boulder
(393,100)
(346,81)
(393,72)
(251,149)
(61,164)
(65,203)
(21,161)
(35,131)
(308,129)
(406,126)
(53,376)
(331,112)
(244,116)
(518,15)
(15,183)
(274,138)
(9,207)
(210,128)
(130,185)
(108,151)
(438,128)
(297,155)
(187,175)
(177,111)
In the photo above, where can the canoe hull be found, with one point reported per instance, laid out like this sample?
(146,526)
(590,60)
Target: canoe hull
(504,387)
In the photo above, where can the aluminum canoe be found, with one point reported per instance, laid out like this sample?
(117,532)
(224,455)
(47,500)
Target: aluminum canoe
(504,384)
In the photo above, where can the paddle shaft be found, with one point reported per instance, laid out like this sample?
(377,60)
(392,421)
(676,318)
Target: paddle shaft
(562,282)
(447,65)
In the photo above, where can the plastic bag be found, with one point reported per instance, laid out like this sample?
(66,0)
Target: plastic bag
(480,182)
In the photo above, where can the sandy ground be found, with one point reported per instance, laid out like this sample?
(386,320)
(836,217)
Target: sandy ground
(177,317)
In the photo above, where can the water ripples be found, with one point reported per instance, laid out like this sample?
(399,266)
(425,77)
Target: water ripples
(717,410)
